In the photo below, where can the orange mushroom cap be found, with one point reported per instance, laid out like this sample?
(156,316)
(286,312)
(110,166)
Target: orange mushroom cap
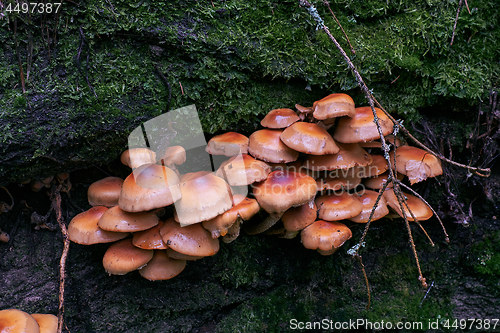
(116,219)
(17,321)
(297,218)
(123,257)
(361,127)
(279,118)
(162,267)
(150,239)
(105,192)
(309,138)
(243,170)
(350,155)
(266,145)
(84,229)
(149,186)
(419,209)
(334,105)
(228,144)
(325,237)
(416,163)
(135,157)
(338,206)
(46,322)
(368,201)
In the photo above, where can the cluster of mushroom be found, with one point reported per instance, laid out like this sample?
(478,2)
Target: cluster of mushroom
(297,172)
(17,321)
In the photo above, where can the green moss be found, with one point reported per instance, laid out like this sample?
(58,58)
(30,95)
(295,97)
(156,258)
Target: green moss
(485,256)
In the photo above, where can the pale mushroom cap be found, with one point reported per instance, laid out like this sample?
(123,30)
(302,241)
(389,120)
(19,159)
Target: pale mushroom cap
(173,155)
(336,207)
(105,192)
(244,208)
(204,196)
(162,267)
(123,257)
(279,118)
(149,186)
(17,321)
(243,170)
(266,145)
(326,237)
(361,128)
(284,189)
(46,322)
(419,209)
(297,218)
(334,105)
(192,240)
(135,157)
(309,138)
(150,239)
(339,179)
(377,167)
(116,219)
(349,156)
(83,228)
(228,144)
(416,163)
(368,201)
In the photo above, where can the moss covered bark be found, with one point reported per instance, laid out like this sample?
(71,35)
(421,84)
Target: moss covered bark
(92,68)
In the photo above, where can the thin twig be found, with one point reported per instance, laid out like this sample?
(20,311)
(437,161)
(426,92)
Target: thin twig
(360,261)
(456,21)
(56,204)
(327,4)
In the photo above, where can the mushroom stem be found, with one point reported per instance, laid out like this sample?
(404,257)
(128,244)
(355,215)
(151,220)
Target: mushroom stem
(233,232)
(268,222)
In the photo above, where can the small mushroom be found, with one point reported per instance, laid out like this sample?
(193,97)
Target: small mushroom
(325,237)
(361,127)
(416,163)
(368,201)
(279,118)
(338,206)
(123,257)
(309,138)
(118,220)
(83,228)
(17,321)
(419,209)
(162,267)
(242,170)
(105,192)
(267,146)
(228,144)
(135,157)
(46,322)
(332,106)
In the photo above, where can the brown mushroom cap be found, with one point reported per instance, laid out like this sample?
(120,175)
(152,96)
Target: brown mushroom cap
(361,127)
(297,218)
(243,170)
(204,196)
(266,145)
(150,239)
(368,201)
(149,186)
(309,138)
(350,155)
(228,144)
(173,155)
(83,228)
(338,206)
(334,105)
(17,321)
(162,267)
(338,179)
(192,240)
(326,237)
(419,209)
(135,157)
(377,167)
(279,118)
(123,257)
(304,109)
(243,208)
(46,322)
(416,163)
(105,192)
(284,189)
(115,219)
